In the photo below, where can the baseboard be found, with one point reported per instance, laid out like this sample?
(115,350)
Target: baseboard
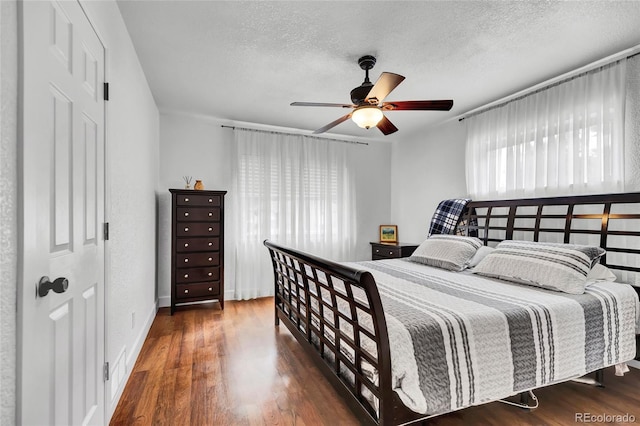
(164,301)
(137,345)
(123,365)
(229,295)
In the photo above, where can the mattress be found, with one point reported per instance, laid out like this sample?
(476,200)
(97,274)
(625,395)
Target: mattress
(458,339)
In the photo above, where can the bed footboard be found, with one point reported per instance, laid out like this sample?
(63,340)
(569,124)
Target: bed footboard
(335,312)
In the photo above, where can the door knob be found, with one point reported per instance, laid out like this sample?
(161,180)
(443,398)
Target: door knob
(59,285)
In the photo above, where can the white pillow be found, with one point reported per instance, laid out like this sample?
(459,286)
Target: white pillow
(452,252)
(480,254)
(600,273)
(560,267)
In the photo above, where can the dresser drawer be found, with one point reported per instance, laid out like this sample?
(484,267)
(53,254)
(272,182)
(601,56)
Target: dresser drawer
(197,259)
(191,275)
(198,200)
(195,214)
(386,252)
(197,229)
(187,291)
(391,251)
(197,244)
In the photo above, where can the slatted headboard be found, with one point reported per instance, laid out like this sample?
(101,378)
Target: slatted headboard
(611,221)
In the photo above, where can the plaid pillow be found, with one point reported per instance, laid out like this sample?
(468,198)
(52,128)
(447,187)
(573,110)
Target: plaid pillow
(447,215)
(461,228)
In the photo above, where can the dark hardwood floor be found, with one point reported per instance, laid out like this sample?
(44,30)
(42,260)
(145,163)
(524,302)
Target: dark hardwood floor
(203,366)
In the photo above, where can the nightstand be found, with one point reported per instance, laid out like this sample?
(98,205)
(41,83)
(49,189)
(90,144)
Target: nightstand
(391,250)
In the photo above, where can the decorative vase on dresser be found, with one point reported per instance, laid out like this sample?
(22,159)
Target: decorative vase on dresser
(197,247)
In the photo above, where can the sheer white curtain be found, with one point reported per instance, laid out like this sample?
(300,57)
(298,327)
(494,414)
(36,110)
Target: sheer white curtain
(566,139)
(296,191)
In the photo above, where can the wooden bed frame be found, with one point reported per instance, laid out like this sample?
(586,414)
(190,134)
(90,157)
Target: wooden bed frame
(308,290)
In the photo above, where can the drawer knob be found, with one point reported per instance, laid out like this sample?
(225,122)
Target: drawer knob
(210,214)
(186,200)
(186,260)
(186,291)
(210,274)
(186,213)
(377,250)
(210,200)
(210,289)
(210,244)
(186,244)
(210,229)
(186,229)
(186,275)
(210,259)
(390,252)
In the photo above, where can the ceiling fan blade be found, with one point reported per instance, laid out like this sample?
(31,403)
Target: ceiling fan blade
(384,85)
(332,124)
(321,104)
(441,105)
(386,126)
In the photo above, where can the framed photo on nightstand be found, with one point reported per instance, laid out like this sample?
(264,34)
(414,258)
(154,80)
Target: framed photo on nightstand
(388,233)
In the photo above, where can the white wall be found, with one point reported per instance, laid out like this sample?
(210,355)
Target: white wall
(132,172)
(200,147)
(371,166)
(8,211)
(427,168)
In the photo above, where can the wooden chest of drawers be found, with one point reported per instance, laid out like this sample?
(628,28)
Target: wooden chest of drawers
(197,247)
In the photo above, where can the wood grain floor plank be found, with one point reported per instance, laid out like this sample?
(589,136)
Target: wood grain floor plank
(165,404)
(203,366)
(123,414)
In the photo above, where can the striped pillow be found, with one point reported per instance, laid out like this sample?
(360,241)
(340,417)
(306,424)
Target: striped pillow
(450,252)
(560,267)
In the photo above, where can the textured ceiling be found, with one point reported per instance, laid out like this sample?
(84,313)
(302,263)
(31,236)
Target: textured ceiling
(247,61)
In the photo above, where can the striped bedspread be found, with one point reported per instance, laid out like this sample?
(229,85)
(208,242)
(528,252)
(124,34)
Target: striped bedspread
(458,339)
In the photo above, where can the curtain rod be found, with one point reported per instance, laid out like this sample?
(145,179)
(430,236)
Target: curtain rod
(625,54)
(294,134)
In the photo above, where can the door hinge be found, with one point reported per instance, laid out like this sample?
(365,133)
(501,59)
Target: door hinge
(106,91)
(105,371)
(105,231)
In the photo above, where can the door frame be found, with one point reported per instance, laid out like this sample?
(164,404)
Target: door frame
(108,411)
(23,288)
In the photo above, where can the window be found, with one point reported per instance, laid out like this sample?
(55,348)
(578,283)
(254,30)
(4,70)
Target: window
(296,191)
(290,195)
(565,139)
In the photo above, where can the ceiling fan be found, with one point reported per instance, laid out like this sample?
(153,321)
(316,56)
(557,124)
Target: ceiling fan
(368,105)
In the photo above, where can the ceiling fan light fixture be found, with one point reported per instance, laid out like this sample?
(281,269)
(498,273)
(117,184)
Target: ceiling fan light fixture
(368,102)
(367,116)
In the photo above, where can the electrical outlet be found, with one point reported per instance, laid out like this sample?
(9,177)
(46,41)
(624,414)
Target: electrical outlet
(133,320)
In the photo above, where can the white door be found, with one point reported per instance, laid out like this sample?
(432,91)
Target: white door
(61,335)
